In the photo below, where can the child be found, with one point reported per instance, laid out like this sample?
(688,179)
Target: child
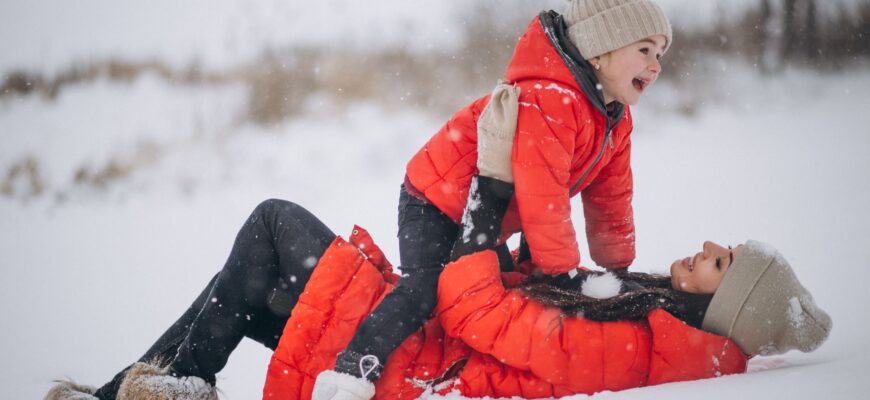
(576,74)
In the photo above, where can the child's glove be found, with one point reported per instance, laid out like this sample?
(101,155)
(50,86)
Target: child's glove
(496,129)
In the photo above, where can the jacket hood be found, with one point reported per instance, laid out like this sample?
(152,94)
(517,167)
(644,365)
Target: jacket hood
(546,40)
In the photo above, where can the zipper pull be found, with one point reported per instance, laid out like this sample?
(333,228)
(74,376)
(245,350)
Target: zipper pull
(610,140)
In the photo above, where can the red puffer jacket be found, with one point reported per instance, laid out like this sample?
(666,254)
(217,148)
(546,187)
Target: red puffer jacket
(562,148)
(487,340)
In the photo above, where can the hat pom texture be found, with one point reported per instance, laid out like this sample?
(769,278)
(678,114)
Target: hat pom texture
(601,286)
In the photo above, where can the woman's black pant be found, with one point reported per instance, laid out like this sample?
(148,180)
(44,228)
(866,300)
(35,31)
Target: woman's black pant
(271,260)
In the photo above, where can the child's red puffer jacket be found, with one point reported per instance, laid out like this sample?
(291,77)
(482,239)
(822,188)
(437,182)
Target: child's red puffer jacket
(564,146)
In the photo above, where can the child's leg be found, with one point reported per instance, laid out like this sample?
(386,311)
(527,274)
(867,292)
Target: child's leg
(272,257)
(426,238)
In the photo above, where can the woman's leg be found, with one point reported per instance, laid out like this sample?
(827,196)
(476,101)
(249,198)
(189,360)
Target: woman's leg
(164,349)
(268,267)
(276,249)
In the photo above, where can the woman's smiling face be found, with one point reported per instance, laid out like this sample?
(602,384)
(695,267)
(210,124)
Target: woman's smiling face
(627,72)
(703,272)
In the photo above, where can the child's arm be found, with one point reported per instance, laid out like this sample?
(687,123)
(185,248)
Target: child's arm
(608,213)
(491,190)
(496,129)
(543,153)
(488,199)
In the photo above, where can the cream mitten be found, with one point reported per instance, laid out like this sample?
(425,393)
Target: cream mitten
(496,129)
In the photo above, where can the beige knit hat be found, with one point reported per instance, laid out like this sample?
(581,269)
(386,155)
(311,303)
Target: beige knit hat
(762,307)
(597,27)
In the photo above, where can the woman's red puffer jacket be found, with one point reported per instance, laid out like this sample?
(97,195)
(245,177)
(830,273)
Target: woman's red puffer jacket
(487,340)
(562,148)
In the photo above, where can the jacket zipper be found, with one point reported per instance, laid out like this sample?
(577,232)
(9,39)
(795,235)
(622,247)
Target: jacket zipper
(549,30)
(607,139)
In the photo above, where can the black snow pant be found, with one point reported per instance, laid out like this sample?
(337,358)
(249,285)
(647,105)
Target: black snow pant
(270,263)
(428,240)
(426,237)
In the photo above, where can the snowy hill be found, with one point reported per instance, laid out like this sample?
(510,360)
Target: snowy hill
(146,182)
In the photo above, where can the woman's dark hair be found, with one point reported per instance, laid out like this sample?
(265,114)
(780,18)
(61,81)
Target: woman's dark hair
(646,293)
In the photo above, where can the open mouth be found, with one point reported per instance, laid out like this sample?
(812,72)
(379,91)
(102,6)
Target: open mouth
(639,84)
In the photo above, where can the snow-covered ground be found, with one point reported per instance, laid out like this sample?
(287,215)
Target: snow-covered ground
(89,281)
(92,275)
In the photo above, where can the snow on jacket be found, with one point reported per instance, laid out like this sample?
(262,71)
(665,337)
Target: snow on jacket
(487,340)
(564,145)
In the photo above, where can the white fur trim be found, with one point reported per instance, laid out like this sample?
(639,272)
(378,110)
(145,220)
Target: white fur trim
(601,286)
(69,390)
(151,382)
(332,385)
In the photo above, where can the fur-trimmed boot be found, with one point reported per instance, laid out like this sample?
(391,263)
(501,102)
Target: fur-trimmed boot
(152,382)
(69,390)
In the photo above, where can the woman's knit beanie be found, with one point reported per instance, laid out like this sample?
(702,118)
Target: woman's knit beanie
(762,306)
(598,27)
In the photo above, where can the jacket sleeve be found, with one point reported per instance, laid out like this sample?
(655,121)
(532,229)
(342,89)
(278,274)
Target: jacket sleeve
(475,306)
(608,212)
(543,153)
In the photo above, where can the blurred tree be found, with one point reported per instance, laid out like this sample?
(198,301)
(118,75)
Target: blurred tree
(800,33)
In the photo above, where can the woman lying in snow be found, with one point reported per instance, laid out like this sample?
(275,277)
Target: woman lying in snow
(494,333)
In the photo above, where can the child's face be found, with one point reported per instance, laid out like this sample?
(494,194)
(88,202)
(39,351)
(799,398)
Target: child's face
(626,73)
(703,273)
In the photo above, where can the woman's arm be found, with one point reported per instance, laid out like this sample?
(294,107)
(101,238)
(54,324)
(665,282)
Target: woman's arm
(569,350)
(520,332)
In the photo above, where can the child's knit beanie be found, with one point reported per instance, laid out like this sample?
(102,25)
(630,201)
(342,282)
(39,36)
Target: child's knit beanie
(598,27)
(762,306)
